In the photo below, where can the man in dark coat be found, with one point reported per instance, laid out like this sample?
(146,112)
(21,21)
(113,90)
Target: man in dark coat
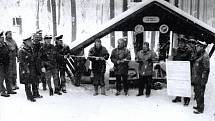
(97,55)
(50,64)
(4,64)
(63,52)
(201,73)
(13,49)
(27,68)
(79,64)
(38,54)
(183,53)
(145,57)
(120,57)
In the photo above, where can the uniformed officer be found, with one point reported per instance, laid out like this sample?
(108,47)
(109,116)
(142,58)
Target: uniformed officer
(50,64)
(13,49)
(63,52)
(27,68)
(183,53)
(4,64)
(38,53)
(201,73)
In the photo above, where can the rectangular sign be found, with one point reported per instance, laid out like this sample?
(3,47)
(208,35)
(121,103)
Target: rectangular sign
(178,78)
(151,19)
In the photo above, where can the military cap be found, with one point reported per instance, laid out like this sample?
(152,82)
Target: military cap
(39,31)
(1,34)
(27,39)
(48,37)
(59,37)
(204,44)
(7,32)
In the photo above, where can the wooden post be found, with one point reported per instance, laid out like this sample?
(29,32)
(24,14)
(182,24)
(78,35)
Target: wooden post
(125,7)
(73,15)
(59,2)
(37,17)
(53,3)
(112,34)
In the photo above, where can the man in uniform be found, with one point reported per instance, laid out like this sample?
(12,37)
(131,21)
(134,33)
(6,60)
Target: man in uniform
(145,57)
(120,57)
(27,68)
(50,64)
(4,64)
(201,73)
(98,54)
(38,53)
(183,53)
(13,49)
(63,52)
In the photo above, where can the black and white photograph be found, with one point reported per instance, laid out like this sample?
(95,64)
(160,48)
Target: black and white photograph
(107,60)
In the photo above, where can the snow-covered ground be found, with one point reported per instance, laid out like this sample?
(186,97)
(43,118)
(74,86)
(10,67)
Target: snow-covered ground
(79,105)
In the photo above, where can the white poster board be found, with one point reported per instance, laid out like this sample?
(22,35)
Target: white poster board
(178,78)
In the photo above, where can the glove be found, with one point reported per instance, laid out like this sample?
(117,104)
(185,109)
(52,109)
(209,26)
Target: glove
(43,70)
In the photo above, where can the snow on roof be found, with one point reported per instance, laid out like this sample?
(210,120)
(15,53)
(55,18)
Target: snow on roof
(135,8)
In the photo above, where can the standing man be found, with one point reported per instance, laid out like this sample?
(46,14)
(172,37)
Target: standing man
(13,53)
(201,73)
(145,57)
(38,53)
(183,53)
(97,55)
(50,64)
(27,68)
(4,64)
(79,64)
(120,57)
(63,52)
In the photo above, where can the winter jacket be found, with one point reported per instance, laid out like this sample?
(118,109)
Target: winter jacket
(27,65)
(61,51)
(201,69)
(98,65)
(49,57)
(145,60)
(119,54)
(13,53)
(4,52)
(38,54)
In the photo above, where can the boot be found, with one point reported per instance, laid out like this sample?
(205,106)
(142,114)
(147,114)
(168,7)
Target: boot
(57,91)
(117,93)
(103,90)
(4,94)
(11,92)
(177,99)
(51,93)
(96,91)
(32,99)
(64,89)
(44,86)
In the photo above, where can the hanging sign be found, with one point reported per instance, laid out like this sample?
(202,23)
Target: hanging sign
(164,28)
(139,28)
(151,19)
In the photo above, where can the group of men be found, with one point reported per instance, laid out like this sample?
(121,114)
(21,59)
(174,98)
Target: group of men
(40,60)
(189,49)
(8,74)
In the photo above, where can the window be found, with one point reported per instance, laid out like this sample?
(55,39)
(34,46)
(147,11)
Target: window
(17,21)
